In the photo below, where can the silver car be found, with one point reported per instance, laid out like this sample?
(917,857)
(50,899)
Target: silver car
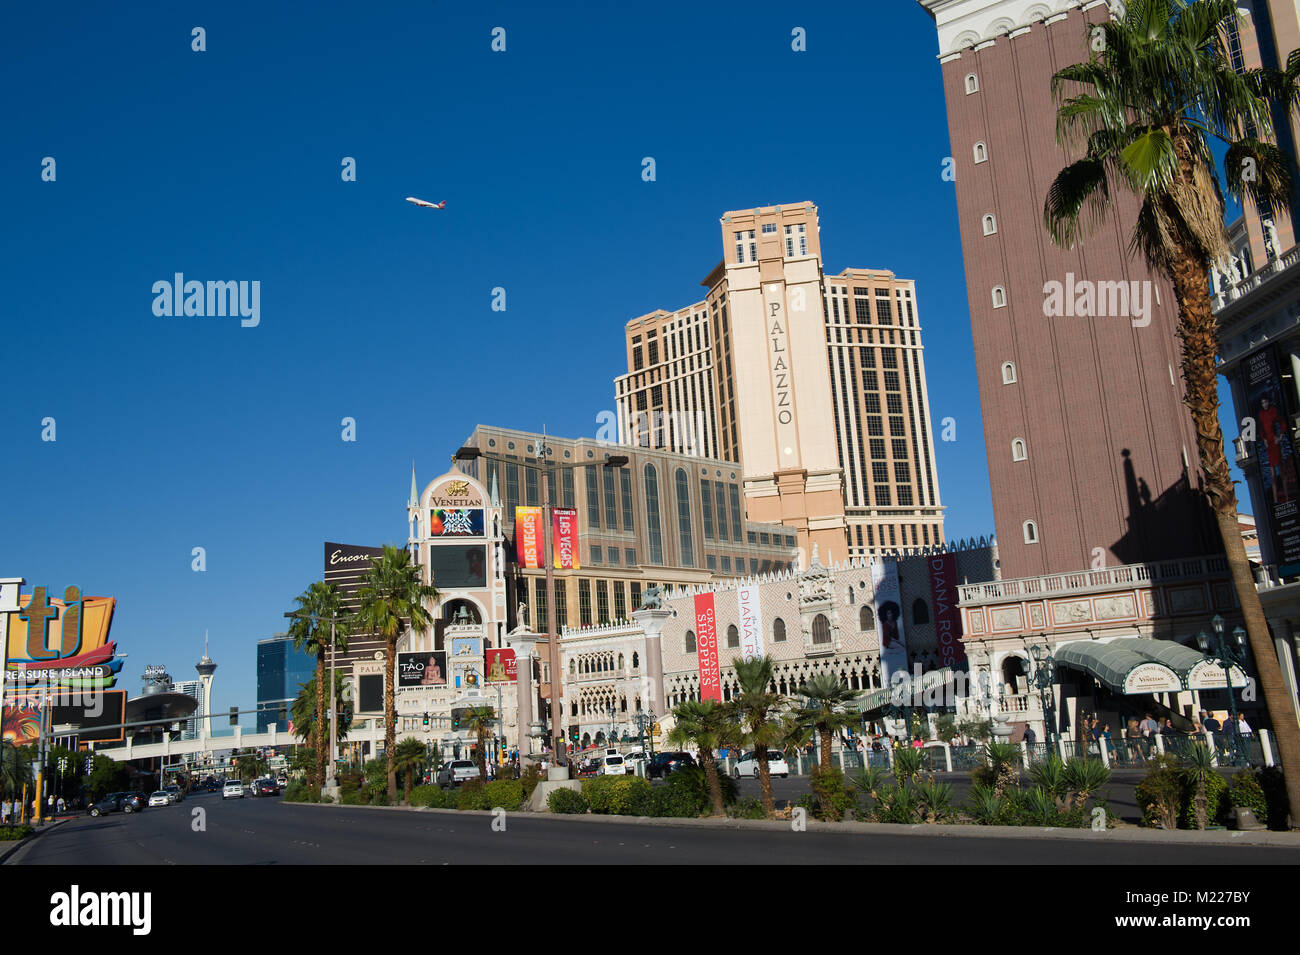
(456,772)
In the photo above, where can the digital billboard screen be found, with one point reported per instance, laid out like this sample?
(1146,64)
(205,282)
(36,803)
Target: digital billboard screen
(458,566)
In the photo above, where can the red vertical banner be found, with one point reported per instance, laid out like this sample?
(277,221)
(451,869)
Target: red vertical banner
(706,642)
(564,529)
(528,536)
(947,618)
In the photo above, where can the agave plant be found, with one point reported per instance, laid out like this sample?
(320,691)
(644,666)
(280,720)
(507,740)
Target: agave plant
(935,799)
(1001,760)
(907,764)
(1049,776)
(1199,768)
(1040,806)
(984,805)
(900,804)
(869,781)
(1083,777)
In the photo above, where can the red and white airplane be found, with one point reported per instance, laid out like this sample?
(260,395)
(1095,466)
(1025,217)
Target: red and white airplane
(427,205)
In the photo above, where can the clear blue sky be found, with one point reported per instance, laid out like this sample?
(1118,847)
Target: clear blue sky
(174,433)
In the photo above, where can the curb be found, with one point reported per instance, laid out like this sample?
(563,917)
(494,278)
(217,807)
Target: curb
(1126,835)
(13,847)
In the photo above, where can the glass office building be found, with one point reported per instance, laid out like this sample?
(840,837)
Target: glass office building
(281,671)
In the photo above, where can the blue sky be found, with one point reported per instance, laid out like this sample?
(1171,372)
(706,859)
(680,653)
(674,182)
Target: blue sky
(175,433)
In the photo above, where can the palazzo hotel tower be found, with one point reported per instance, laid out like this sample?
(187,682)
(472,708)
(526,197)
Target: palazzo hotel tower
(814,384)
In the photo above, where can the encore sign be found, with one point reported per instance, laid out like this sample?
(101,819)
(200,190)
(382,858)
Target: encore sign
(706,631)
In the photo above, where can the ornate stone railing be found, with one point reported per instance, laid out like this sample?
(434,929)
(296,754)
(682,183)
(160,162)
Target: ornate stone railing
(1123,576)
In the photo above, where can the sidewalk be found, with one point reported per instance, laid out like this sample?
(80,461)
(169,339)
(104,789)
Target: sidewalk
(1125,834)
(9,848)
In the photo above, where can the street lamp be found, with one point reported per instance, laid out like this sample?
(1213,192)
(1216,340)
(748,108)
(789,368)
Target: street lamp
(1044,679)
(546,466)
(644,720)
(1226,653)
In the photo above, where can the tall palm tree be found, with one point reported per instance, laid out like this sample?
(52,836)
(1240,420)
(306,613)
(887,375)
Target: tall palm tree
(15,769)
(1158,86)
(304,712)
(702,724)
(409,755)
(323,602)
(481,719)
(393,598)
(751,709)
(826,710)
(250,766)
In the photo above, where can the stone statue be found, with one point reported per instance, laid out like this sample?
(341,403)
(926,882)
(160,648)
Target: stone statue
(1216,280)
(1234,269)
(521,613)
(1270,240)
(653,598)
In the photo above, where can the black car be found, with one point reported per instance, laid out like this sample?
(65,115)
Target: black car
(664,763)
(117,802)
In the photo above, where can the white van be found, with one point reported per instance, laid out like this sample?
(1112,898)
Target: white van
(613,765)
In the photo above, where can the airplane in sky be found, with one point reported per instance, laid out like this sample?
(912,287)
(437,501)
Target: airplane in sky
(427,205)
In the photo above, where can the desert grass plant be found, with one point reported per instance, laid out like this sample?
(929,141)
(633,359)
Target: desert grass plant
(984,806)
(907,764)
(935,801)
(1083,778)
(1196,773)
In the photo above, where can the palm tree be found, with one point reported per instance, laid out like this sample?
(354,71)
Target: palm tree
(702,724)
(393,598)
(409,755)
(826,709)
(481,719)
(15,769)
(249,765)
(1158,86)
(751,708)
(319,606)
(304,713)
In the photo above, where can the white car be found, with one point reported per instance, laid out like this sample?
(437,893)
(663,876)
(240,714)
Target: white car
(747,765)
(613,766)
(456,772)
(159,799)
(233,789)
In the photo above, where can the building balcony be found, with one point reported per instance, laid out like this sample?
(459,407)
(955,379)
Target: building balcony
(1086,581)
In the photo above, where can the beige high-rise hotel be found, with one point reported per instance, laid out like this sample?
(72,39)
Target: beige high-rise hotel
(813,383)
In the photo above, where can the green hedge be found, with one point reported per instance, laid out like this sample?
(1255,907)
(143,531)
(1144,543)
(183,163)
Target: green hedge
(618,795)
(432,797)
(14,833)
(567,802)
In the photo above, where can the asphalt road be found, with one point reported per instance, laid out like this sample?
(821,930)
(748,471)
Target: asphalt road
(267,831)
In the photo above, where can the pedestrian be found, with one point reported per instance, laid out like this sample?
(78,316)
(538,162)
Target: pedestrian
(61,806)
(1209,723)
(4,812)
(1030,736)
(1243,727)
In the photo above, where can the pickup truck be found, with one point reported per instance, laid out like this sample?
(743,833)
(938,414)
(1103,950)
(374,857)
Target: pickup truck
(456,772)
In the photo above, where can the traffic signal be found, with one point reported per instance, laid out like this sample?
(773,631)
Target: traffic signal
(426,719)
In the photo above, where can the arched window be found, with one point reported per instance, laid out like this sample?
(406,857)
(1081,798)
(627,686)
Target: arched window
(972,83)
(1018,452)
(778,630)
(653,529)
(1008,373)
(999,296)
(684,518)
(850,595)
(821,629)
(866,619)
(920,612)
(690,641)
(1031,532)
(981,153)
(635,660)
(573,667)
(620,661)
(733,637)
(990,224)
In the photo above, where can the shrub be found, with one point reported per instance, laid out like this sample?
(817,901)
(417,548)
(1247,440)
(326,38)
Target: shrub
(472,795)
(693,778)
(750,807)
(1159,794)
(907,763)
(14,833)
(354,797)
(298,791)
(1049,776)
(432,797)
(616,795)
(1037,807)
(1216,788)
(1274,786)
(566,801)
(507,794)
(828,785)
(531,777)
(1083,777)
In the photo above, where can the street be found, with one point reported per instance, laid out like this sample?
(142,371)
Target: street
(267,831)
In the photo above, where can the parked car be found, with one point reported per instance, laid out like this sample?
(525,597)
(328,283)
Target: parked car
(456,772)
(233,789)
(665,763)
(747,765)
(174,793)
(160,798)
(613,766)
